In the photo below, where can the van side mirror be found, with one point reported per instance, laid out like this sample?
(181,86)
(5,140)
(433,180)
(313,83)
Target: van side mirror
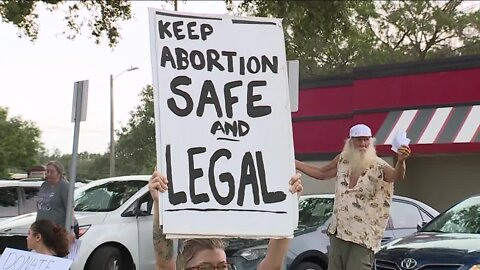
(420,225)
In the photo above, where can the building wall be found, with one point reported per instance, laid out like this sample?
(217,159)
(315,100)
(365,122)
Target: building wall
(441,180)
(313,186)
(329,106)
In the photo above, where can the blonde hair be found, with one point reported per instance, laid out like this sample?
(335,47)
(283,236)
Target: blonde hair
(58,166)
(191,247)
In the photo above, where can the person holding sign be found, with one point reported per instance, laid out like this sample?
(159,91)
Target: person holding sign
(206,253)
(47,238)
(363,195)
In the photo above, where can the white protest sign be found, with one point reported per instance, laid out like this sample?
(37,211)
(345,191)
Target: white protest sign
(223,125)
(14,259)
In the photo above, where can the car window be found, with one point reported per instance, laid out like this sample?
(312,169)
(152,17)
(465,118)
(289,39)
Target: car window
(106,197)
(148,199)
(426,217)
(461,218)
(8,202)
(405,215)
(314,211)
(31,198)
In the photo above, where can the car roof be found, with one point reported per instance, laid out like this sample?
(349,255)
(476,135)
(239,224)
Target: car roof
(426,207)
(28,183)
(9,183)
(19,183)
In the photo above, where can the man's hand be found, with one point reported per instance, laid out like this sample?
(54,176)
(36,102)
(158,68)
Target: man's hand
(296,184)
(157,182)
(403,152)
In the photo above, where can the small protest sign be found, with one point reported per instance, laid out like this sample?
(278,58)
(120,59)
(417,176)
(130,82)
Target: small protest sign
(14,259)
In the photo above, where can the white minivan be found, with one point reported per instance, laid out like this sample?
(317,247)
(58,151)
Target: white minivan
(115,218)
(18,197)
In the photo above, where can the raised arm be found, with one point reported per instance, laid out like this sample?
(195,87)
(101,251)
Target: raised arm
(397,173)
(277,248)
(321,173)
(276,251)
(164,259)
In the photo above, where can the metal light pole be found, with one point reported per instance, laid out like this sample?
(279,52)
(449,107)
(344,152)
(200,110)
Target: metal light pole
(112,128)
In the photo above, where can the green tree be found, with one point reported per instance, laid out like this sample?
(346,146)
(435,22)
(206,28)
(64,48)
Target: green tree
(20,144)
(89,166)
(335,36)
(315,31)
(135,149)
(418,30)
(102,20)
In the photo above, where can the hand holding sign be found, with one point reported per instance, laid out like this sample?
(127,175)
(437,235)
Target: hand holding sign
(159,183)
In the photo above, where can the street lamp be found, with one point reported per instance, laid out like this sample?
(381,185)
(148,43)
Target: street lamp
(112,130)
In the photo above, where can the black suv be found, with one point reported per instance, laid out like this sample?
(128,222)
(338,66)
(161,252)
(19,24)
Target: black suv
(451,241)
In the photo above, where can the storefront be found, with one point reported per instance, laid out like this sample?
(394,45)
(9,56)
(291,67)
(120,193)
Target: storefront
(437,102)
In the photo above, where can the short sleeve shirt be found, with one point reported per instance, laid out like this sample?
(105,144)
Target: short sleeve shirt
(52,202)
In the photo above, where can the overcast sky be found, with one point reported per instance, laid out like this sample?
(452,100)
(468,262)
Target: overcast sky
(37,78)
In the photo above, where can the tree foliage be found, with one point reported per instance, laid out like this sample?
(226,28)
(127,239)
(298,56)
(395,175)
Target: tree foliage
(335,36)
(102,19)
(417,30)
(89,166)
(313,30)
(135,149)
(19,144)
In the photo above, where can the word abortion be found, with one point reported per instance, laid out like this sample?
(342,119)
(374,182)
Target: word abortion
(212,60)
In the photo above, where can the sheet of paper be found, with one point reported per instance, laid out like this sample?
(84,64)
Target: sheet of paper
(21,259)
(399,140)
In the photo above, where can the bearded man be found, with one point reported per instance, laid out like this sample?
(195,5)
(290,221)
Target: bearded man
(363,195)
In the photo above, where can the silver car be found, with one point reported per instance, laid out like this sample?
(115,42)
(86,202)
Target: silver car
(309,248)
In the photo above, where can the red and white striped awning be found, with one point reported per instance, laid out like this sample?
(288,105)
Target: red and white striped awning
(433,126)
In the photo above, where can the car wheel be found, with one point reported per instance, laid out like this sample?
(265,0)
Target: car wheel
(108,258)
(308,266)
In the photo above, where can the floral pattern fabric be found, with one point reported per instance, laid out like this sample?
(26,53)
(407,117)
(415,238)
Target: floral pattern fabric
(361,213)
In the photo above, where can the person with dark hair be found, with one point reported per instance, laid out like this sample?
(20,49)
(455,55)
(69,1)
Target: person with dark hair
(206,253)
(47,238)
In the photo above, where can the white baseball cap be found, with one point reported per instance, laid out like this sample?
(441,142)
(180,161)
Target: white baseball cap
(360,130)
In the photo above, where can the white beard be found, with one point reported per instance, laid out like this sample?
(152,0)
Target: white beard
(359,161)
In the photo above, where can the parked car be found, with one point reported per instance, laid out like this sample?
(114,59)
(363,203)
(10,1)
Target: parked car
(115,221)
(18,197)
(309,248)
(451,241)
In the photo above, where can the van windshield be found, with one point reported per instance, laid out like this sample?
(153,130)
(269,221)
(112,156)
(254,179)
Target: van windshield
(461,218)
(106,197)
